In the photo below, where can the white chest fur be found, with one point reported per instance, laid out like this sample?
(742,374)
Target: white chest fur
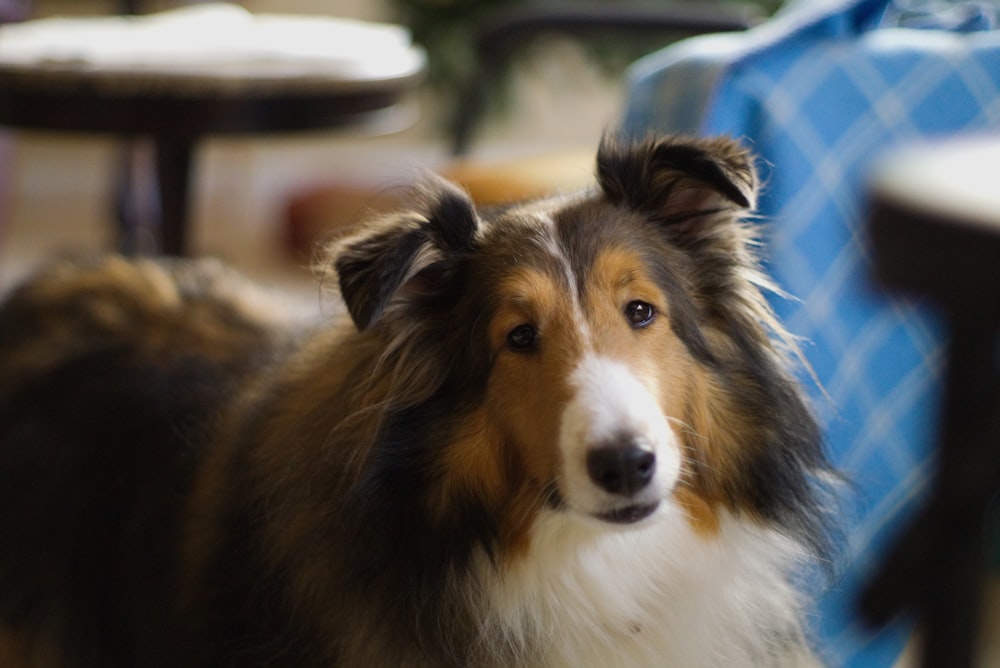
(656,594)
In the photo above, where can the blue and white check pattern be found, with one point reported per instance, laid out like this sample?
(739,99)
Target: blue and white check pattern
(818,96)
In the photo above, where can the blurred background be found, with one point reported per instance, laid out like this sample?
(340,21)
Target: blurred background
(262,202)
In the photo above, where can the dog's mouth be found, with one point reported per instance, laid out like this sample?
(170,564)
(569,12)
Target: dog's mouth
(629,514)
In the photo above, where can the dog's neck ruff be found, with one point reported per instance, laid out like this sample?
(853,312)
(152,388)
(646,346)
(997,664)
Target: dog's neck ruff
(657,594)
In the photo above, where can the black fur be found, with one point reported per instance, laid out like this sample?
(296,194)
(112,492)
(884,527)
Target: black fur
(372,270)
(647,176)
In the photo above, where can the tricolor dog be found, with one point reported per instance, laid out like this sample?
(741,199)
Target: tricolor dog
(559,433)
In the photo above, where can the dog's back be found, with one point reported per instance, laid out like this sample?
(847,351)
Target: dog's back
(109,375)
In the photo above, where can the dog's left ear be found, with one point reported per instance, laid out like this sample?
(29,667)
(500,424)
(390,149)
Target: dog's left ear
(409,254)
(677,180)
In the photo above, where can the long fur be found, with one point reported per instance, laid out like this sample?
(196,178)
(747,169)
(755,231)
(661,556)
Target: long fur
(435,478)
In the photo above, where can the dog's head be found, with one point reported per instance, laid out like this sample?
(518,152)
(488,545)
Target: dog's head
(601,354)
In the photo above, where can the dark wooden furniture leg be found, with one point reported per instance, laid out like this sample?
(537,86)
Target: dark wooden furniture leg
(174,164)
(124,204)
(152,195)
(967,481)
(937,567)
(136,202)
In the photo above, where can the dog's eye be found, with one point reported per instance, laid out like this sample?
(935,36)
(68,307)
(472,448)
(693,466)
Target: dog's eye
(639,313)
(523,338)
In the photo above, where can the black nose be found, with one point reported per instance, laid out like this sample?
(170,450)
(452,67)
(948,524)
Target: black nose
(621,469)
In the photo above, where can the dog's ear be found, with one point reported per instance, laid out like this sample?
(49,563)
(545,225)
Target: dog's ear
(677,180)
(405,253)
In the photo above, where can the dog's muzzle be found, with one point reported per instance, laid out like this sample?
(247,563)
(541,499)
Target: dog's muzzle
(621,456)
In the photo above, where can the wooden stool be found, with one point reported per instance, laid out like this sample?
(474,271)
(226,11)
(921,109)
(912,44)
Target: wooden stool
(180,76)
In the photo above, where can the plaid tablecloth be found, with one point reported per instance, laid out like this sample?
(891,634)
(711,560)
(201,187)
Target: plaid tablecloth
(819,93)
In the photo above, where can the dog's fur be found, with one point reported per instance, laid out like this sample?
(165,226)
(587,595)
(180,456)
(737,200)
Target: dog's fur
(563,433)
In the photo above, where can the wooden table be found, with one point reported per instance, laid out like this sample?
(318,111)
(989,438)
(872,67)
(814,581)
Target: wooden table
(255,78)
(935,234)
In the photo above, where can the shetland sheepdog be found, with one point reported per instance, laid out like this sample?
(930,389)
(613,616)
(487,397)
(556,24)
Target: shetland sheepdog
(564,432)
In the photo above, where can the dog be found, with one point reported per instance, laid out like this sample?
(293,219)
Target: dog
(565,432)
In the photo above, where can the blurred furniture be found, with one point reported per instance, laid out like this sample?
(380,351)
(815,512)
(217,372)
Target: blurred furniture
(180,76)
(10,11)
(935,232)
(818,92)
(508,32)
(314,213)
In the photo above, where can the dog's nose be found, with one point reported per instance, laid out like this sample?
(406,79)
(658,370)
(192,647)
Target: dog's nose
(621,469)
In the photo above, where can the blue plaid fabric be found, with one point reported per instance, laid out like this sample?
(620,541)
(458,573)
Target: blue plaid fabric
(818,94)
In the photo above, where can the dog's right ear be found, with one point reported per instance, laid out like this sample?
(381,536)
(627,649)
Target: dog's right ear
(406,253)
(678,181)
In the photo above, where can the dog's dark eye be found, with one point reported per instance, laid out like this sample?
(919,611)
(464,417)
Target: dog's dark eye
(639,314)
(522,338)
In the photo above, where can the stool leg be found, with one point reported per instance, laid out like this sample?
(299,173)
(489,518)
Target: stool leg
(6,178)
(937,566)
(136,202)
(967,480)
(173,175)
